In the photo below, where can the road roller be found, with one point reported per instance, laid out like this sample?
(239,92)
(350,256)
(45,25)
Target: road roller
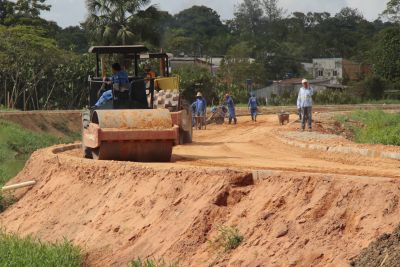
(141,124)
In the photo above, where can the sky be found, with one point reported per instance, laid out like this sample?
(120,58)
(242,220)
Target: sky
(71,12)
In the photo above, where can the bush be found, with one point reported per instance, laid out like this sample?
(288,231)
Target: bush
(228,238)
(288,97)
(371,88)
(16,251)
(150,263)
(335,97)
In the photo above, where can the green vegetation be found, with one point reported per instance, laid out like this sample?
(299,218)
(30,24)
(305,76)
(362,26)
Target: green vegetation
(228,238)
(16,145)
(45,67)
(15,251)
(151,263)
(3,108)
(373,127)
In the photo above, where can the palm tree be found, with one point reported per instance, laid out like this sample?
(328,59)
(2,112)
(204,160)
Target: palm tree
(108,20)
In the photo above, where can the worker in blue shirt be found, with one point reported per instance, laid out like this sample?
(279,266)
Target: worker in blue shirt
(119,81)
(231,107)
(252,105)
(199,106)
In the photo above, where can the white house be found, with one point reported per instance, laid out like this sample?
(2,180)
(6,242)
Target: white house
(335,69)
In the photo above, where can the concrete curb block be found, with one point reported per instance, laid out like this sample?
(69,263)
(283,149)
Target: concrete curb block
(343,149)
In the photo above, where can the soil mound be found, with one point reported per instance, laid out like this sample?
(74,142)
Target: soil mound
(120,211)
(384,252)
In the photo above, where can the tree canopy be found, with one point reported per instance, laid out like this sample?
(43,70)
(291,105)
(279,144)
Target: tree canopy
(44,65)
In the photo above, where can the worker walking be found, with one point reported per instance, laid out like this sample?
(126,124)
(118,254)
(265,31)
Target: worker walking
(304,104)
(231,107)
(252,105)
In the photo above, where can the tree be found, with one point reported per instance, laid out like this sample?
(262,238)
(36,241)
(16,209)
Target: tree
(385,56)
(248,17)
(31,8)
(236,69)
(197,31)
(392,11)
(178,43)
(151,24)
(35,81)
(272,11)
(73,38)
(108,20)
(7,9)
(199,22)
(193,78)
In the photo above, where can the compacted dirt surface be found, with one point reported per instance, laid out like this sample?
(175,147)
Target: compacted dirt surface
(294,206)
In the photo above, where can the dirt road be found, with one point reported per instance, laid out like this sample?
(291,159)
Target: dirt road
(253,146)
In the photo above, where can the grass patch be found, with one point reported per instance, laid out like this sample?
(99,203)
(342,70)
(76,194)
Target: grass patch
(16,251)
(228,238)
(151,263)
(373,127)
(3,109)
(71,135)
(16,145)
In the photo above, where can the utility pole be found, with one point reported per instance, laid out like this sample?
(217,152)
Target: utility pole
(249,85)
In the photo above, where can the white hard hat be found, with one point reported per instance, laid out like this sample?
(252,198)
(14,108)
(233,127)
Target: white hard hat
(199,94)
(304,81)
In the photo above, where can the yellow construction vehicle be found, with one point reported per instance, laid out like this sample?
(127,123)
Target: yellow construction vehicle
(142,123)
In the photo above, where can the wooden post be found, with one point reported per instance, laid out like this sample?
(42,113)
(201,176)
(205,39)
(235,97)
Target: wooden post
(103,68)
(97,65)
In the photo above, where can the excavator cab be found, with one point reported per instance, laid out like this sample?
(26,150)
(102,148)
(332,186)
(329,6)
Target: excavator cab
(141,123)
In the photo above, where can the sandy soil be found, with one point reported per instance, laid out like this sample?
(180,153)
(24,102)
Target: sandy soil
(294,207)
(255,146)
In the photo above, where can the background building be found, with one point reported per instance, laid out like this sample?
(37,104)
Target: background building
(336,70)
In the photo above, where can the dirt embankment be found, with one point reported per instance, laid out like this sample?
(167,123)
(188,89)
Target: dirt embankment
(57,123)
(119,211)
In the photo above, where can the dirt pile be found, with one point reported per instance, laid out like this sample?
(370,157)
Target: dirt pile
(119,211)
(384,252)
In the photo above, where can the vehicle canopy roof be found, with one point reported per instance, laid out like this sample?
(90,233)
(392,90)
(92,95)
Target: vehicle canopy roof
(120,49)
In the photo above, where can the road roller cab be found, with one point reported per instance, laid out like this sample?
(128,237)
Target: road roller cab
(141,124)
